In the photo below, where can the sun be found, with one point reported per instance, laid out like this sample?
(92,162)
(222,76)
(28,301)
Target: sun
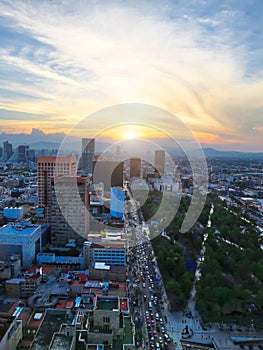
(129,135)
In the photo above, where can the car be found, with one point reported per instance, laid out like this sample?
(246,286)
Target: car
(143,285)
(157,346)
(147,319)
(145,297)
(152,347)
(167,338)
(161,321)
(161,340)
(154,333)
(157,316)
(147,313)
(152,323)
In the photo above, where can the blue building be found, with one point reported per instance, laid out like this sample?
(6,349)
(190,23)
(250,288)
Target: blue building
(117,202)
(110,256)
(21,238)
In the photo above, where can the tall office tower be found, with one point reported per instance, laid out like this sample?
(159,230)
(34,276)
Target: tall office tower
(8,150)
(87,156)
(159,163)
(47,168)
(30,155)
(71,223)
(108,172)
(1,152)
(21,153)
(135,167)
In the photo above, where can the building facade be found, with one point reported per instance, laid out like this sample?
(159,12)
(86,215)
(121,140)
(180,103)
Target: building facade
(7,150)
(117,202)
(69,210)
(159,162)
(109,254)
(20,238)
(11,332)
(47,168)
(110,173)
(21,153)
(87,156)
(135,167)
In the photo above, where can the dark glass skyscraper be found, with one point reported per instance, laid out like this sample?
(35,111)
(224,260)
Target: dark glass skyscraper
(87,156)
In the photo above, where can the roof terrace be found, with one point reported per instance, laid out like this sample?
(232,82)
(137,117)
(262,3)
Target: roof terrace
(107,303)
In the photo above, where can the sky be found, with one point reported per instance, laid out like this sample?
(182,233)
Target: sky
(200,61)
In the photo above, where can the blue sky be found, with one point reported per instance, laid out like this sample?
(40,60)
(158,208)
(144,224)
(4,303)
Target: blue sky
(199,60)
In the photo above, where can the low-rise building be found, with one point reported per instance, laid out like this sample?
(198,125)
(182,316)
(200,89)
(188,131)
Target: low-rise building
(21,238)
(109,253)
(10,267)
(105,325)
(10,332)
(23,287)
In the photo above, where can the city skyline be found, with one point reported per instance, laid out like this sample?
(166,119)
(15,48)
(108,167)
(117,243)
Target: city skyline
(201,61)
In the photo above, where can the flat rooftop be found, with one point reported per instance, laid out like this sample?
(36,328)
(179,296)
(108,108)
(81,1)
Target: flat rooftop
(51,324)
(61,341)
(128,335)
(107,304)
(10,229)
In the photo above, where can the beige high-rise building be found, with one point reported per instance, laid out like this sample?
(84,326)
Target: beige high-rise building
(69,209)
(159,163)
(47,168)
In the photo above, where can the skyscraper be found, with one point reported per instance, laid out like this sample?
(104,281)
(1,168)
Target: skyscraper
(135,167)
(73,221)
(7,150)
(30,155)
(159,163)
(21,153)
(87,156)
(47,168)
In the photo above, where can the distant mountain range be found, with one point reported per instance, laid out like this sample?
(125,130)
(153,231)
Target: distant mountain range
(40,140)
(213,153)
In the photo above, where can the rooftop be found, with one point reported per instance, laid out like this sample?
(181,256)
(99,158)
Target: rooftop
(12,228)
(51,324)
(61,341)
(107,303)
(128,336)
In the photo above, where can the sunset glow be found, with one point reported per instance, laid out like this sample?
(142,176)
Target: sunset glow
(62,61)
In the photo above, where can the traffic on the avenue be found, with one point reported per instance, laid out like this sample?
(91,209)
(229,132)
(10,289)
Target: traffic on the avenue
(145,289)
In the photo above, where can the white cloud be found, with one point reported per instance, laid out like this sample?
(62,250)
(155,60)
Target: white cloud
(95,55)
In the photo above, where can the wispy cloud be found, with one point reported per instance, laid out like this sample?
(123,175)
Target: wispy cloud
(191,58)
